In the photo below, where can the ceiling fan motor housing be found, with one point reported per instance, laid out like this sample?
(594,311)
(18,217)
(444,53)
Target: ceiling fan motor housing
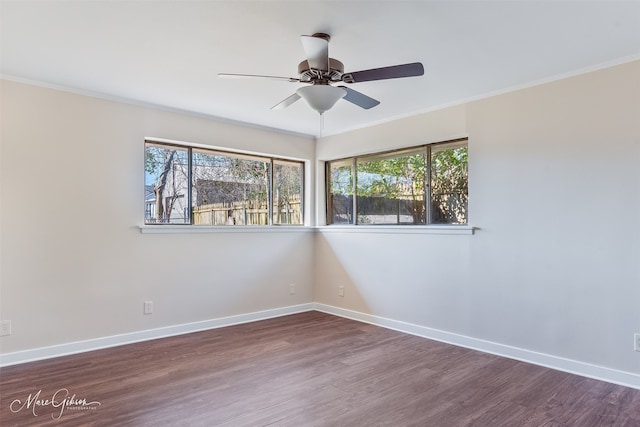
(308,74)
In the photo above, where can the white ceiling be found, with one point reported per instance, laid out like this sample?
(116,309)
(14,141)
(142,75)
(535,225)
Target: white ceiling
(168,53)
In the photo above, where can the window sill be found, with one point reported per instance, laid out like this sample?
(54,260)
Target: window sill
(399,229)
(194,229)
(373,229)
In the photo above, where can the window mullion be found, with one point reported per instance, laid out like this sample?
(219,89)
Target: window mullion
(328,193)
(270,210)
(427,186)
(354,191)
(190,186)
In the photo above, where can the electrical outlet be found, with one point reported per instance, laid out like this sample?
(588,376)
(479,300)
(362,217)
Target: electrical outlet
(148,307)
(5,328)
(340,291)
(636,342)
(292,289)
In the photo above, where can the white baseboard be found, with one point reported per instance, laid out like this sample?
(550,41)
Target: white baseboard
(627,379)
(150,334)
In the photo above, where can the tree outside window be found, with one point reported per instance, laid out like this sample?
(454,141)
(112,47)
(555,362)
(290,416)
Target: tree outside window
(226,188)
(422,185)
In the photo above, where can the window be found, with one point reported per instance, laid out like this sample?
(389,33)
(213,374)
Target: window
(340,194)
(421,185)
(188,185)
(166,184)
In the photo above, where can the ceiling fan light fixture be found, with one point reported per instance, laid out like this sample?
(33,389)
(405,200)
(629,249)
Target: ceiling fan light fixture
(321,97)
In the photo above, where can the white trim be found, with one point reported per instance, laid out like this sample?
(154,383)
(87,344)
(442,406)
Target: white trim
(189,229)
(150,105)
(526,85)
(100,95)
(41,353)
(363,229)
(627,379)
(399,229)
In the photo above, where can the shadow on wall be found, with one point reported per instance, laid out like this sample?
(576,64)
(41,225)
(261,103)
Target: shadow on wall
(226,274)
(333,284)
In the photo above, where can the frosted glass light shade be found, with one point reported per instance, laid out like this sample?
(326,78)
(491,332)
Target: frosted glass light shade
(321,97)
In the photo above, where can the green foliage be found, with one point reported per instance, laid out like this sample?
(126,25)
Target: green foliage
(449,169)
(397,185)
(287,180)
(393,178)
(401,179)
(341,193)
(342,180)
(153,160)
(449,186)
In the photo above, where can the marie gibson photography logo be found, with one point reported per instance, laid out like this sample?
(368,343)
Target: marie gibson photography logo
(61,400)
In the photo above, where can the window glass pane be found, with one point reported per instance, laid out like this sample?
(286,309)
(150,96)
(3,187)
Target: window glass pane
(449,183)
(166,181)
(287,192)
(340,194)
(229,190)
(391,188)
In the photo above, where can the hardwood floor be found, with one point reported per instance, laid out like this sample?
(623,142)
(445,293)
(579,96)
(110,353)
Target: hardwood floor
(308,369)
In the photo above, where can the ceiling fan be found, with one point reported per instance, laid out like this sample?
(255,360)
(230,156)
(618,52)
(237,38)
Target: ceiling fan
(322,72)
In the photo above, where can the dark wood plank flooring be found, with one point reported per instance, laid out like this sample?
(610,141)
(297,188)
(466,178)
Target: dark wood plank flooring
(308,369)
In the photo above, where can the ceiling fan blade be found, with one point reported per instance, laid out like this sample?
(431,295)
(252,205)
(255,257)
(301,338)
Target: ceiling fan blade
(286,102)
(360,99)
(252,76)
(317,51)
(392,72)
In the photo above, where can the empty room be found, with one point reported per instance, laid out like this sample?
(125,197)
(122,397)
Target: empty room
(320,213)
